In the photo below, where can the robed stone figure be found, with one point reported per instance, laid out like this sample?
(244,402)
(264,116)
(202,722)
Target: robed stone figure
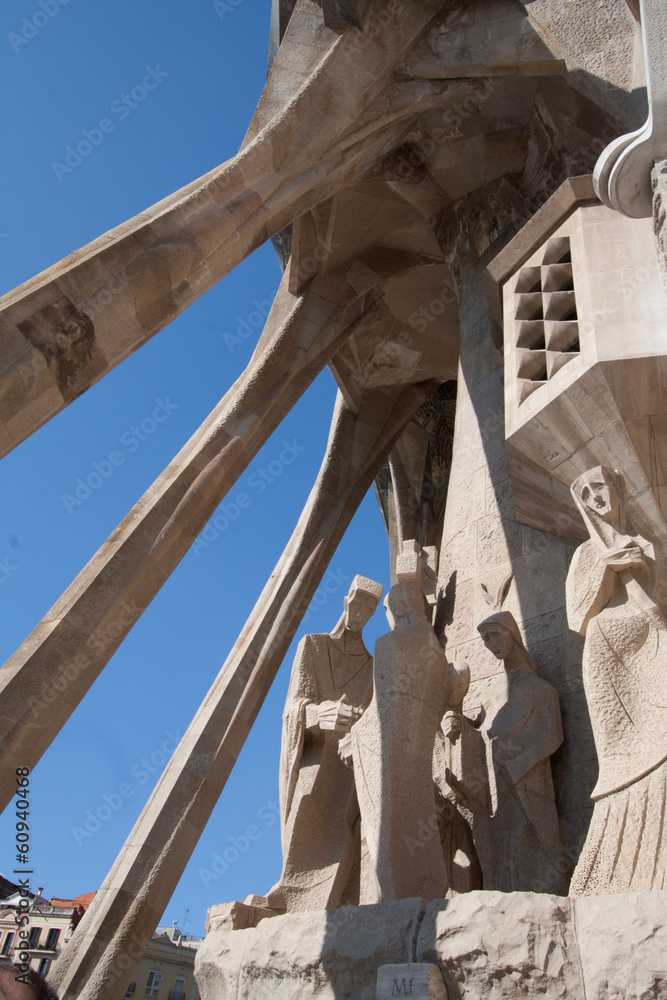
(461,786)
(331,685)
(615,598)
(391,751)
(522,850)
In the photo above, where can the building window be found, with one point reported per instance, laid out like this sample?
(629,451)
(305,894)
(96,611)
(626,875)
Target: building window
(153,984)
(52,939)
(179,989)
(129,992)
(44,966)
(34,937)
(9,940)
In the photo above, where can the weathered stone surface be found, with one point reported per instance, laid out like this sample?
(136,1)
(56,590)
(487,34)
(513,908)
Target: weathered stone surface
(522,945)
(623,946)
(503,945)
(329,954)
(488,946)
(237,916)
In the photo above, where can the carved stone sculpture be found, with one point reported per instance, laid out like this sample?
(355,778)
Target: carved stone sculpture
(523,851)
(391,748)
(461,784)
(331,685)
(612,600)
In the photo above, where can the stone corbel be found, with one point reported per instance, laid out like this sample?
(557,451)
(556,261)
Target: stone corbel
(622,176)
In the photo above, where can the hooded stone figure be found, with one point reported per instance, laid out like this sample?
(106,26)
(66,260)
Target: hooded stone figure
(331,685)
(613,601)
(522,849)
(391,749)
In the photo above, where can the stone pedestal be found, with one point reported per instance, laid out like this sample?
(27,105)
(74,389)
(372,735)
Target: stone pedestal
(504,946)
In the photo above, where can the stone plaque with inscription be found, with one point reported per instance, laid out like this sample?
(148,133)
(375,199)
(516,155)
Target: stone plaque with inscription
(418,979)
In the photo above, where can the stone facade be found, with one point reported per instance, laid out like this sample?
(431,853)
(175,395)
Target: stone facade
(464,216)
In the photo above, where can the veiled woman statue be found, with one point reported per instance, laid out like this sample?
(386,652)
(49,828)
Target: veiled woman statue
(611,600)
(521,848)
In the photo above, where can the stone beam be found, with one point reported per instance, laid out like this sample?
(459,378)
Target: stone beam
(43,682)
(98,962)
(65,329)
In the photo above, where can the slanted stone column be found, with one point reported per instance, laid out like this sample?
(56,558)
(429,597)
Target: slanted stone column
(43,682)
(659,179)
(98,962)
(66,328)
(483,542)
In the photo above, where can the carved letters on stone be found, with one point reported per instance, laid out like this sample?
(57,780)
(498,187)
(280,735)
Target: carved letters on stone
(416,979)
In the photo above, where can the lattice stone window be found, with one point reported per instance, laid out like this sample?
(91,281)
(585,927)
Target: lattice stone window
(545,317)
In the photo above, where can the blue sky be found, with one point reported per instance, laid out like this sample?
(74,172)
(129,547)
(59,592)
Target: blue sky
(66,68)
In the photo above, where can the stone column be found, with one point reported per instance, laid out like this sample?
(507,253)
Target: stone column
(100,958)
(483,541)
(66,328)
(42,683)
